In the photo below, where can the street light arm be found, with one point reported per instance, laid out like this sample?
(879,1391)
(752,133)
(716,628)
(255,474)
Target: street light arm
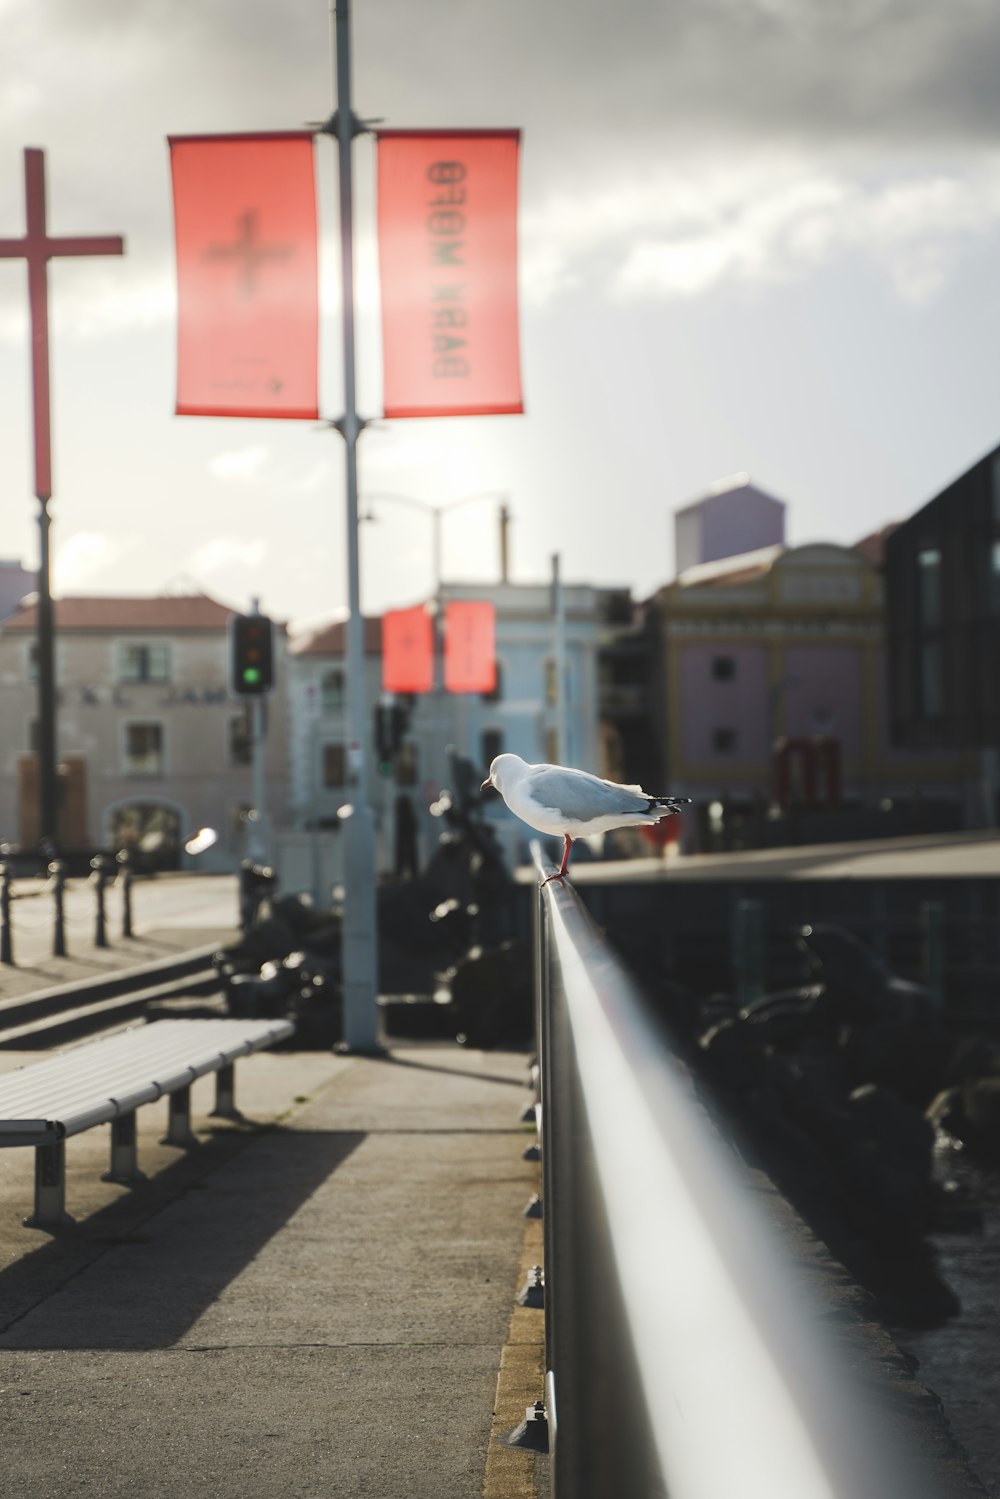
(435,512)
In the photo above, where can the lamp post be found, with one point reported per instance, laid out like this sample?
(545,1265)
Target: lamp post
(437,514)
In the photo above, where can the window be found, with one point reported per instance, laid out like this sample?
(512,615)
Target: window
(491,745)
(724,741)
(143,749)
(333,692)
(723,668)
(139,662)
(34,736)
(33,661)
(334,766)
(929,586)
(931,680)
(551,750)
(240,739)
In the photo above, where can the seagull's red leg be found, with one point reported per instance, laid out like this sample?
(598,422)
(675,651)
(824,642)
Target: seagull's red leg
(567,840)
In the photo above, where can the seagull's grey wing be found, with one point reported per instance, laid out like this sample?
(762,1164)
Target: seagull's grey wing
(582,798)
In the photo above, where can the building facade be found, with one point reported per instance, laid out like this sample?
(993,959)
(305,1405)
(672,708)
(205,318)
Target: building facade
(734,516)
(422,735)
(943,607)
(775,688)
(151,744)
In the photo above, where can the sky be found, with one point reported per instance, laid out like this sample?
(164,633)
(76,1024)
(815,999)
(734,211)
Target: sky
(755,236)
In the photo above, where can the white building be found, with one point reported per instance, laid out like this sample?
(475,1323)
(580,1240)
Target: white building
(151,744)
(521,715)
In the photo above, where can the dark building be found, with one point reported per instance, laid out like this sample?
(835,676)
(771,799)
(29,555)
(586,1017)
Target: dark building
(627,707)
(942,579)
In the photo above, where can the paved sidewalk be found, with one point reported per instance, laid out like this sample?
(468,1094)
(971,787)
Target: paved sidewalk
(169,916)
(315,1308)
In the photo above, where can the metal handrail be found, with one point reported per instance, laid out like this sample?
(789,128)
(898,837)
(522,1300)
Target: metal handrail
(685,1353)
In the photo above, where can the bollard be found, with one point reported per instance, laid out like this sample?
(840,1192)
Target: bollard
(125,860)
(6,945)
(99,864)
(57,874)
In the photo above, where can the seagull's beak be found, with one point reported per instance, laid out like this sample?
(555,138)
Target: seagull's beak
(487,785)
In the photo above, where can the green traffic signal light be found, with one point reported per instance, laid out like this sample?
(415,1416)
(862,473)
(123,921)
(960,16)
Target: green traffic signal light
(252,658)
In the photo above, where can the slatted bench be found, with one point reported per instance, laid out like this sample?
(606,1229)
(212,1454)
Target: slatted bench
(105,1081)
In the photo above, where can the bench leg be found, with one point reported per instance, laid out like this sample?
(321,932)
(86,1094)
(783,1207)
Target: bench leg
(50,1189)
(179,1130)
(225,1094)
(124,1159)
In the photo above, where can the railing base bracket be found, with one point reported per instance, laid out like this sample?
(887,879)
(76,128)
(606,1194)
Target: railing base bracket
(533,1432)
(532,1293)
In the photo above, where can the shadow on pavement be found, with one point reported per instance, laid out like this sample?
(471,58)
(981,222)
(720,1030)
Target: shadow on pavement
(139,1273)
(395,1060)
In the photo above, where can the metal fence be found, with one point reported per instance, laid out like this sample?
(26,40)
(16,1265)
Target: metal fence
(686,1354)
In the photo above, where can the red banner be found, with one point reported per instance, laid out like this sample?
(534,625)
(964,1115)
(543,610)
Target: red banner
(470,647)
(447,240)
(247,275)
(407,650)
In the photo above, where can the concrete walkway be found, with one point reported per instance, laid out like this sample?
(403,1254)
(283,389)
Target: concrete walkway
(314,1304)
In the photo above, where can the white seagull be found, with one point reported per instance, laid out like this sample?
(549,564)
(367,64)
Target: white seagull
(573,803)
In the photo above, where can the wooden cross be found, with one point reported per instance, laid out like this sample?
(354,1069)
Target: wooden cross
(38,247)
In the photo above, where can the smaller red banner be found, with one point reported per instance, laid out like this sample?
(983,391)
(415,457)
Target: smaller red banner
(407,650)
(247,275)
(470,647)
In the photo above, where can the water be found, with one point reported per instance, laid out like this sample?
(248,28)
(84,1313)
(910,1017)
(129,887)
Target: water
(960,1361)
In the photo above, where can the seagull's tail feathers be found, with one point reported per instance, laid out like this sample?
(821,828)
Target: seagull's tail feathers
(669,805)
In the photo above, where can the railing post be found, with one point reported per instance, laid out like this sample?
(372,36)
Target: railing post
(124,859)
(99,865)
(543,1027)
(932,949)
(57,874)
(6,943)
(748,950)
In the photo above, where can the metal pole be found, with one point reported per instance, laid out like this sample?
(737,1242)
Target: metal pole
(360,945)
(48,804)
(259,840)
(559,650)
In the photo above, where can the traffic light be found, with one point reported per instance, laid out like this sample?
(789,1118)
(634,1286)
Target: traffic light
(391,723)
(252,654)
